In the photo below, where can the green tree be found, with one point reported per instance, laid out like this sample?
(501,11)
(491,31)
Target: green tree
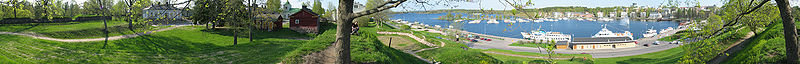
(93,6)
(317,8)
(274,5)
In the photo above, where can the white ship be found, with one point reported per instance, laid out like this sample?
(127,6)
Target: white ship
(607,33)
(474,22)
(509,21)
(458,20)
(650,33)
(579,19)
(546,36)
(492,21)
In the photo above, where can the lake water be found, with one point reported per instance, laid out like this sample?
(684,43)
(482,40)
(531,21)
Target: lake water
(574,27)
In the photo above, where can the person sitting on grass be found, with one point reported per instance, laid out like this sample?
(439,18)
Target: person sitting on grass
(355,29)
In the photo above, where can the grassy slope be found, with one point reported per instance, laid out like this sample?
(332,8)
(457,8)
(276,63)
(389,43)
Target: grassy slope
(539,54)
(767,47)
(184,45)
(451,53)
(670,56)
(402,42)
(522,60)
(365,48)
(75,30)
(56,27)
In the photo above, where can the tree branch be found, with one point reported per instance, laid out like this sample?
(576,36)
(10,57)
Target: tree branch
(378,9)
(736,21)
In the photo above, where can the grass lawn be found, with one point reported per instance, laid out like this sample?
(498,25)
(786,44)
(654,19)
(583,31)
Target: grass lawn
(533,45)
(57,27)
(402,42)
(523,60)
(670,56)
(77,30)
(766,47)
(451,53)
(538,54)
(183,45)
(365,48)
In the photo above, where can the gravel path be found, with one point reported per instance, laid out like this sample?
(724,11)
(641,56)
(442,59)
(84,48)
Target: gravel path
(91,39)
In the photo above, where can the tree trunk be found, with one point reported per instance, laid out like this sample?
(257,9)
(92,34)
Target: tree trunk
(235,35)
(343,29)
(789,32)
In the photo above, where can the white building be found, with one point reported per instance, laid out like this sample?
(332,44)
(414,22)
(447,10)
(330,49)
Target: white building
(162,12)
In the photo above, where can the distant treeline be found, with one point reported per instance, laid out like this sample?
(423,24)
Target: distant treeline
(54,20)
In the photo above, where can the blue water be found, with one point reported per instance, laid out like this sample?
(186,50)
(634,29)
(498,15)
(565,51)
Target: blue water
(575,27)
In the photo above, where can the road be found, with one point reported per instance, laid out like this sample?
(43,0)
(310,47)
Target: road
(598,53)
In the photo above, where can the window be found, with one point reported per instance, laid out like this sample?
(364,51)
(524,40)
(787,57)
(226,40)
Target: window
(296,21)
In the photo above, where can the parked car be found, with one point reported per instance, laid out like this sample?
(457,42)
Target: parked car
(675,42)
(488,39)
(646,45)
(656,43)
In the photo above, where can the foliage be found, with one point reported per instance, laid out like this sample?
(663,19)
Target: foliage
(274,5)
(767,47)
(93,6)
(317,8)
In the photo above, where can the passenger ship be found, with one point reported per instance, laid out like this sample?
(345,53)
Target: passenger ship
(546,36)
(607,33)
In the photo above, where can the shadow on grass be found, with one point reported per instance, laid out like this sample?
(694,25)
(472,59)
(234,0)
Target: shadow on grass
(164,49)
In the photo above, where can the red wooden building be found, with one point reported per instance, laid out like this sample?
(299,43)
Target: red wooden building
(304,21)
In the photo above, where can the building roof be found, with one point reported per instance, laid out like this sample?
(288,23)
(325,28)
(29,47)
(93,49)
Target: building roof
(601,40)
(293,10)
(304,9)
(562,43)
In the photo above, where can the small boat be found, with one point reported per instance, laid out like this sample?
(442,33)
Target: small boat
(474,22)
(458,20)
(579,19)
(521,20)
(509,21)
(492,21)
(538,20)
(589,19)
(650,33)
(666,30)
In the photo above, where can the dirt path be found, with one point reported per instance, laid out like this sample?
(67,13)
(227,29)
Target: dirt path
(91,39)
(410,35)
(735,47)
(418,40)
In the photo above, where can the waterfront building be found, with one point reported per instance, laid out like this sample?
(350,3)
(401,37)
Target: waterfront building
(601,43)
